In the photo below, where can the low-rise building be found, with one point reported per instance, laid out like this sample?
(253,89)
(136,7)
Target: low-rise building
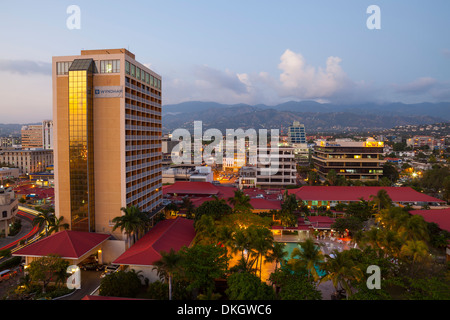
(330,196)
(8,209)
(28,161)
(8,173)
(355,160)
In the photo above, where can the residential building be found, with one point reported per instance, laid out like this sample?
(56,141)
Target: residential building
(421,141)
(107,124)
(32,137)
(8,209)
(28,161)
(355,160)
(279,172)
(10,142)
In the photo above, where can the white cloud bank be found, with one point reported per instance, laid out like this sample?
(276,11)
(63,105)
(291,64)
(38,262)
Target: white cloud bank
(298,80)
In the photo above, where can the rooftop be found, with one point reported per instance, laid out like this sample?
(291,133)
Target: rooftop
(338,193)
(164,236)
(67,244)
(439,216)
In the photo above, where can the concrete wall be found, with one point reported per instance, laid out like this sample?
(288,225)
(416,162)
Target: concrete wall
(112,249)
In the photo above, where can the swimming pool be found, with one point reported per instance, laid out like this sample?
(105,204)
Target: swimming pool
(289,247)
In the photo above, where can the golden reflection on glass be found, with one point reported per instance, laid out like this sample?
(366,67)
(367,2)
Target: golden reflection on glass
(80,153)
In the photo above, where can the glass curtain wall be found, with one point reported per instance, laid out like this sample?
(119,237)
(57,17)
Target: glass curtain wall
(81,151)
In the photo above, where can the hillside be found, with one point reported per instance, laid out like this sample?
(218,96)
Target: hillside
(315,116)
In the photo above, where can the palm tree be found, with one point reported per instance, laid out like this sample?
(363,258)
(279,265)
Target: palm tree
(167,266)
(56,225)
(277,254)
(261,243)
(206,230)
(44,218)
(225,237)
(240,202)
(341,269)
(372,237)
(415,228)
(416,250)
(241,243)
(188,206)
(382,200)
(131,222)
(309,257)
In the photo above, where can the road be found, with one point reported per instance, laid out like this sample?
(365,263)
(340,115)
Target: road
(26,232)
(90,280)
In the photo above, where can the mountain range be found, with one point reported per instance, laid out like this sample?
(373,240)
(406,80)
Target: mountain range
(315,116)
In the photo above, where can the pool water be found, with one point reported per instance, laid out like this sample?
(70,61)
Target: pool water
(289,247)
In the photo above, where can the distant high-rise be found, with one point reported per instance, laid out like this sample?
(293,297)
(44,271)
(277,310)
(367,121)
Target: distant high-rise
(107,138)
(47,134)
(297,140)
(32,137)
(296,133)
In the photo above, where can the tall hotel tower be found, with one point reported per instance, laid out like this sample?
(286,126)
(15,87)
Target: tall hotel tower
(107,138)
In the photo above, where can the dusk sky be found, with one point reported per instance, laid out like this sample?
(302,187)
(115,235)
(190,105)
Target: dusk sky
(235,51)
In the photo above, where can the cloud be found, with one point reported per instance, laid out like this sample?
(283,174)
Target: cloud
(303,81)
(25,67)
(427,88)
(297,80)
(216,79)
(417,86)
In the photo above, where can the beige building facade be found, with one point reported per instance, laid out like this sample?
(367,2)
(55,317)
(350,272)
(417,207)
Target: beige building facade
(32,137)
(28,161)
(107,138)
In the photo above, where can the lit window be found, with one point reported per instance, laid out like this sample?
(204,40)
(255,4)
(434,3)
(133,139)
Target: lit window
(110,66)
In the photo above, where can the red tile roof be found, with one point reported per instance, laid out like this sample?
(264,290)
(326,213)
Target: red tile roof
(67,243)
(321,221)
(165,235)
(263,204)
(439,216)
(191,188)
(337,193)
(258,204)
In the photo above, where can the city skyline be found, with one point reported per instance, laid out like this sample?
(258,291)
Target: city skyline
(233,52)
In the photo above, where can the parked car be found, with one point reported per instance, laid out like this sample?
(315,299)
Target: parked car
(92,266)
(108,270)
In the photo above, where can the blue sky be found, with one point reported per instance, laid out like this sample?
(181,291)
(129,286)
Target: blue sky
(236,51)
